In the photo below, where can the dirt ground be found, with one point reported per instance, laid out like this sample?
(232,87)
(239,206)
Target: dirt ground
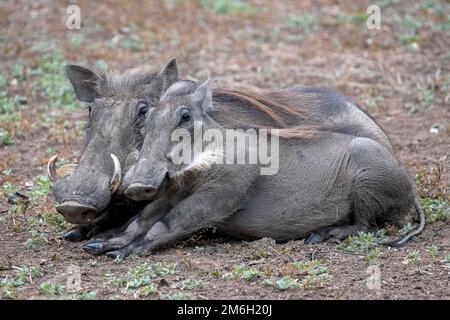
(399,74)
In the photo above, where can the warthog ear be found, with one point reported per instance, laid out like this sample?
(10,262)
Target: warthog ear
(84,81)
(166,77)
(202,96)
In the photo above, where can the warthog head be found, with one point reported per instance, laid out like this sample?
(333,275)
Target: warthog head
(117,105)
(183,106)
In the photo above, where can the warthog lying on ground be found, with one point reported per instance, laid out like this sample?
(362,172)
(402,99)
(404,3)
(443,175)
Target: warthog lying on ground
(330,183)
(118,103)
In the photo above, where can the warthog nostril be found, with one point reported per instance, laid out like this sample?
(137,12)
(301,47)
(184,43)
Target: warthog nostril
(77,213)
(139,191)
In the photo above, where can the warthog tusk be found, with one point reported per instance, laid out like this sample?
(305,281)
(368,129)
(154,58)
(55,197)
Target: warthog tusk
(51,168)
(117,176)
(65,170)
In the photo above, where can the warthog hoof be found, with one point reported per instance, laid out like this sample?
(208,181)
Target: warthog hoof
(94,247)
(314,238)
(74,235)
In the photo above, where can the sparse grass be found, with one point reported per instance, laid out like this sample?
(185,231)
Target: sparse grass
(373,255)
(22,276)
(310,274)
(36,240)
(5,138)
(241,271)
(9,291)
(50,81)
(427,97)
(41,188)
(306,22)
(408,38)
(446,258)
(413,257)
(284,283)
(312,267)
(141,278)
(435,209)
(148,290)
(85,295)
(49,288)
(55,220)
(190,284)
(362,243)
(226,7)
(176,296)
(432,250)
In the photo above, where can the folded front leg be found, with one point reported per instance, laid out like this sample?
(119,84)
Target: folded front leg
(137,227)
(200,210)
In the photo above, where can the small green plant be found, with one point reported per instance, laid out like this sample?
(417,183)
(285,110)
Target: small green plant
(360,17)
(427,96)
(312,267)
(362,243)
(22,276)
(41,187)
(176,296)
(432,250)
(287,283)
(51,83)
(142,275)
(5,138)
(435,209)
(446,258)
(55,220)
(36,240)
(241,271)
(413,257)
(224,7)
(408,38)
(190,284)
(9,291)
(373,255)
(148,290)
(51,289)
(25,275)
(306,22)
(86,295)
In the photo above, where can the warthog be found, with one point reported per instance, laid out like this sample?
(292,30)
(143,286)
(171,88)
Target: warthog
(117,104)
(330,183)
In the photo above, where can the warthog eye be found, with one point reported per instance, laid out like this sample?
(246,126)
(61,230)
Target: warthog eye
(185,115)
(143,107)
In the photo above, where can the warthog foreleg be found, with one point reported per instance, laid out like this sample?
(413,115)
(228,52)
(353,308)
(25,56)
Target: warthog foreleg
(137,226)
(199,211)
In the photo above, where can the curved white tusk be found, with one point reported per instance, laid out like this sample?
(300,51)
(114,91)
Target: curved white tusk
(51,168)
(117,176)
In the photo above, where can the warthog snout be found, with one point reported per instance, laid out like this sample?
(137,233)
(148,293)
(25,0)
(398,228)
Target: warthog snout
(139,191)
(77,213)
(147,186)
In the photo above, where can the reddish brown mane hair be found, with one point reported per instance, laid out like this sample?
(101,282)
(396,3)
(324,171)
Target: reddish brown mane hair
(277,106)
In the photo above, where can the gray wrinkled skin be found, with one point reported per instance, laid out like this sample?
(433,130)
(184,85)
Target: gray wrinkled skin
(117,105)
(331,183)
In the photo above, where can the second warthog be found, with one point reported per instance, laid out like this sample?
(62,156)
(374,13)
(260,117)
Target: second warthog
(330,184)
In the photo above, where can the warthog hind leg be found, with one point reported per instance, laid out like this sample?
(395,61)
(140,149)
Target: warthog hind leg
(337,233)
